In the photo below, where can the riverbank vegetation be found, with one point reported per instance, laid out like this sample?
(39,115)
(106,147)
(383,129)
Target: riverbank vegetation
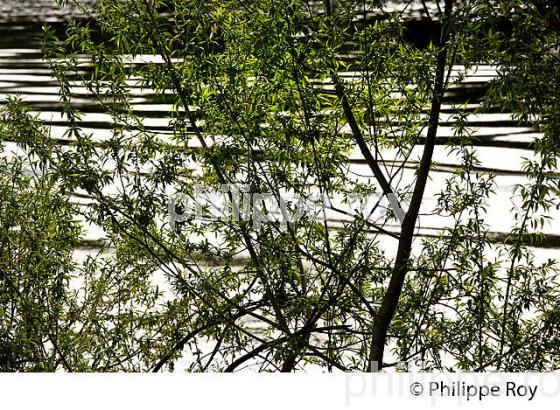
(282,97)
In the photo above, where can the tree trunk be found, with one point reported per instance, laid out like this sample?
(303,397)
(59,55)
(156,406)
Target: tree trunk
(391,298)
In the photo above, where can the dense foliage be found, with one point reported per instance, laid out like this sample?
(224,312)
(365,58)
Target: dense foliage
(280,97)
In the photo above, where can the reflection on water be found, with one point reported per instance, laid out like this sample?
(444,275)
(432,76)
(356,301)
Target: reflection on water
(501,147)
(37,11)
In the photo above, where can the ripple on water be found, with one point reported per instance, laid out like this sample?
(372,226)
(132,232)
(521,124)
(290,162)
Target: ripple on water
(37,10)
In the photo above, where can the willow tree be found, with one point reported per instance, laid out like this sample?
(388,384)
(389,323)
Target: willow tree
(275,98)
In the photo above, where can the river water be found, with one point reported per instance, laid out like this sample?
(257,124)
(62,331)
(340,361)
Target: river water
(502,142)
